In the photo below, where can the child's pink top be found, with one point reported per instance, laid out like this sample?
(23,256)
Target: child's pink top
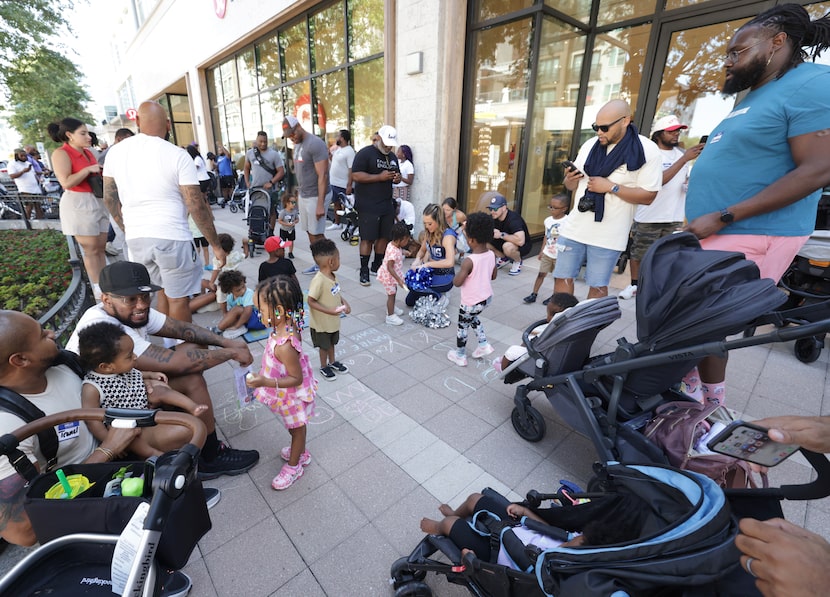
(393,254)
(274,369)
(477,286)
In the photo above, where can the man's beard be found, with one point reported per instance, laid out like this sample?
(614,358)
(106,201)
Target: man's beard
(130,323)
(671,142)
(746,77)
(23,160)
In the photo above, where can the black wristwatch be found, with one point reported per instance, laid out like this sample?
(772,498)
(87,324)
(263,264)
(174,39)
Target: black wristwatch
(726,216)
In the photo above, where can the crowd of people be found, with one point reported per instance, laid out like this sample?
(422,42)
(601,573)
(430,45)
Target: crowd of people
(624,185)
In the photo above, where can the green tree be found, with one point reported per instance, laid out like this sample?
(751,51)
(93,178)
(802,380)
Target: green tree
(43,87)
(27,24)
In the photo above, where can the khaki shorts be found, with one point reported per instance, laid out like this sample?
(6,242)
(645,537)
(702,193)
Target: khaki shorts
(83,214)
(546,264)
(175,265)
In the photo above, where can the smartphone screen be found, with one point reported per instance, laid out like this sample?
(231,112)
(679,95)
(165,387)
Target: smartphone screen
(749,442)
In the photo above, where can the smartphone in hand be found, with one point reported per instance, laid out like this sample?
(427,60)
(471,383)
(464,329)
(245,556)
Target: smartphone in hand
(749,442)
(703,140)
(571,166)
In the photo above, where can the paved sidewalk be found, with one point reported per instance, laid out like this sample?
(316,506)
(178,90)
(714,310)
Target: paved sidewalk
(406,430)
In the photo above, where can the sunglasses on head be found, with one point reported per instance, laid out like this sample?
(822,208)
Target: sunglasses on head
(604,127)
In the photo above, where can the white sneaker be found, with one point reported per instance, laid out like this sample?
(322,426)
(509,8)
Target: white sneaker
(232,333)
(461,361)
(393,320)
(515,269)
(333,226)
(214,306)
(111,250)
(482,351)
(628,293)
(398,311)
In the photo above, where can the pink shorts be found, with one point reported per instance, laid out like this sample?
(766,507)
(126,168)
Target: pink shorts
(772,254)
(389,285)
(294,412)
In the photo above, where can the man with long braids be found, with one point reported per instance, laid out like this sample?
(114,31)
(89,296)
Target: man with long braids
(755,188)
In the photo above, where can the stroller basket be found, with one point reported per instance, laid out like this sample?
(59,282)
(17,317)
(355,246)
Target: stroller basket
(176,518)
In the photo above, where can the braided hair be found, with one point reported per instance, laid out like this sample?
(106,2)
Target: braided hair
(794,20)
(281,291)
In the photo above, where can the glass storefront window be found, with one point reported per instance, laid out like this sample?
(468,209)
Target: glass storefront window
(488,9)
(297,99)
(328,31)
(268,63)
(251,123)
(553,119)
(501,63)
(332,95)
(228,80)
(369,99)
(270,105)
(246,72)
(613,11)
(294,44)
(578,9)
(366,32)
(616,71)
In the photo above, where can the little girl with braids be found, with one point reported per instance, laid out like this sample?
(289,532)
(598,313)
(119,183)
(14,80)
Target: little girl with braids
(286,382)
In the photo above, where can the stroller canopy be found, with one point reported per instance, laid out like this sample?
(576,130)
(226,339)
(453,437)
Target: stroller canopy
(688,295)
(687,538)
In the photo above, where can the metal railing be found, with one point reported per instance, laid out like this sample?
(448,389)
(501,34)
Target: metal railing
(64,315)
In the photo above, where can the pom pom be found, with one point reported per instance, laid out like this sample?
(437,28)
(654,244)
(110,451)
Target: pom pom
(419,280)
(429,311)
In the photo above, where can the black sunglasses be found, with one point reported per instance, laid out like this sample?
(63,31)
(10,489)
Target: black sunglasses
(604,127)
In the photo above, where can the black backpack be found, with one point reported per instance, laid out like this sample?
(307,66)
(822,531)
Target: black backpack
(14,403)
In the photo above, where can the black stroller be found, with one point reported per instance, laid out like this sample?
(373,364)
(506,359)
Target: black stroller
(259,224)
(348,217)
(83,550)
(237,200)
(685,544)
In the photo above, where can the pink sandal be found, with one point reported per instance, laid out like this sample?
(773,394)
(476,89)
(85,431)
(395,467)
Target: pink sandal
(288,474)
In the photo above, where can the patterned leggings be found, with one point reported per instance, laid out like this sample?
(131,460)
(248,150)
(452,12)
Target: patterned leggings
(468,318)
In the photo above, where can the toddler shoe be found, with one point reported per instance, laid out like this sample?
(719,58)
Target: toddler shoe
(305,457)
(339,367)
(461,361)
(530,298)
(398,311)
(328,373)
(482,351)
(288,474)
(497,364)
(393,320)
(628,293)
(291,255)
(232,333)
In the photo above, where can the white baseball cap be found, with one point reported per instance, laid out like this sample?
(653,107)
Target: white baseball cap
(667,123)
(388,135)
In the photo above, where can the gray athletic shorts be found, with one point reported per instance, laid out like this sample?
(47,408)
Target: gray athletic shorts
(175,265)
(308,214)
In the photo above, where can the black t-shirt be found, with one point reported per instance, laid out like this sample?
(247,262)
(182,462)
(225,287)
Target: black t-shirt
(511,224)
(280,266)
(374,197)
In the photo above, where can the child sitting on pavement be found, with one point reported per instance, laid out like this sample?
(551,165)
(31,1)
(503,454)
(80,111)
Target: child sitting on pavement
(210,291)
(277,263)
(241,315)
(326,303)
(557,206)
(390,273)
(112,381)
(557,303)
(474,277)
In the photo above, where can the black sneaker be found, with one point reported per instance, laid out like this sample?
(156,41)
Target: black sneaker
(339,367)
(530,298)
(328,373)
(291,255)
(177,585)
(212,496)
(364,277)
(227,462)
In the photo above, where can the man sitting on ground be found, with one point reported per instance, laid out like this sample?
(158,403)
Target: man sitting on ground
(126,296)
(511,239)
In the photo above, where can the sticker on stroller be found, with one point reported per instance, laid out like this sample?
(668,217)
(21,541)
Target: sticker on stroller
(127,548)
(67,431)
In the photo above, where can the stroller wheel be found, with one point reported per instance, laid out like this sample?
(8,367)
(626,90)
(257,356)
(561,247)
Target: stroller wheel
(414,589)
(233,208)
(530,425)
(807,350)
(345,235)
(402,574)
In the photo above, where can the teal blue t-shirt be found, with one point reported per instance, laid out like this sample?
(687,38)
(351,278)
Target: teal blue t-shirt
(749,150)
(246,300)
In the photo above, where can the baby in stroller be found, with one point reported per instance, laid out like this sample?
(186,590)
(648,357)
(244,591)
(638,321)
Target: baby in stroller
(616,524)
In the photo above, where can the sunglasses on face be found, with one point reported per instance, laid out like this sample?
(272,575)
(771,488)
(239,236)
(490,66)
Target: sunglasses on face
(604,127)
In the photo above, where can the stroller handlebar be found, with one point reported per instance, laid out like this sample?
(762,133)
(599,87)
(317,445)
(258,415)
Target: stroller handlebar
(819,488)
(120,417)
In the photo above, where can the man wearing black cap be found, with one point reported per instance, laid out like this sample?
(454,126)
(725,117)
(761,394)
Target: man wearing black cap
(511,239)
(126,295)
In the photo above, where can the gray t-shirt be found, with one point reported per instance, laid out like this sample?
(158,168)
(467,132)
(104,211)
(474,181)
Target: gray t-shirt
(313,149)
(259,175)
